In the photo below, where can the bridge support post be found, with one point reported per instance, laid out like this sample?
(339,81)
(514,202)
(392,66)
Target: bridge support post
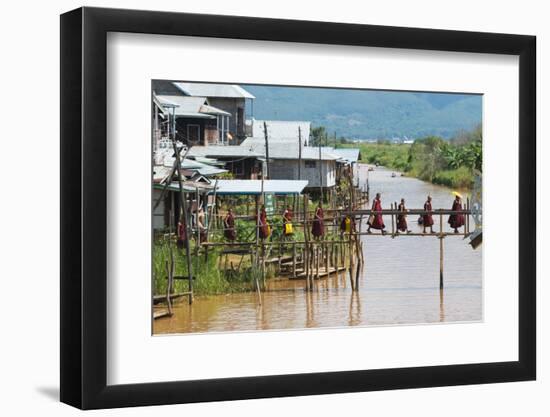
(441,237)
(441,262)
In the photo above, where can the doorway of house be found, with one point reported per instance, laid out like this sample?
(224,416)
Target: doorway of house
(194,133)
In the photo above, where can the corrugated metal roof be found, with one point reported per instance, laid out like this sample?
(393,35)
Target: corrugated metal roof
(188,186)
(284,150)
(242,187)
(164,101)
(349,154)
(192,106)
(192,165)
(223,151)
(209,171)
(161,173)
(213,90)
(209,161)
(184,104)
(162,107)
(254,187)
(282,129)
(205,108)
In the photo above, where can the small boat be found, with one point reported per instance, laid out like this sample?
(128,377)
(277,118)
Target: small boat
(371,169)
(393,175)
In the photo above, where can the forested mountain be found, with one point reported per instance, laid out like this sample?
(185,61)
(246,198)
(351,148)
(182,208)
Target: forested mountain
(369,114)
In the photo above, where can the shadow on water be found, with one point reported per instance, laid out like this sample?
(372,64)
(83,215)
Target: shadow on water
(354,309)
(441,305)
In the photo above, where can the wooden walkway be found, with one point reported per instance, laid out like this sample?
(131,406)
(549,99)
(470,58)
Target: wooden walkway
(313,259)
(321,273)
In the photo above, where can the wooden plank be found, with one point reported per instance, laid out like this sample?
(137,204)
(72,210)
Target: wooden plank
(284,259)
(181,277)
(161,314)
(162,298)
(300,274)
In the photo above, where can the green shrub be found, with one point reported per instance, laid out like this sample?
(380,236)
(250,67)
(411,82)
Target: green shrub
(457,178)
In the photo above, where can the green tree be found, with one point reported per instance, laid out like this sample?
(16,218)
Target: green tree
(319,134)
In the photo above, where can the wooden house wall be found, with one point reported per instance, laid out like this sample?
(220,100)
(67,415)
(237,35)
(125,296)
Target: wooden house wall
(234,106)
(244,169)
(287,169)
(208,129)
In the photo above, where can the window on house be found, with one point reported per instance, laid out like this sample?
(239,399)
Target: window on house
(310,164)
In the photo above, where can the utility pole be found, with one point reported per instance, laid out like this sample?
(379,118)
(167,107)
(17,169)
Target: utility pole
(320,172)
(299,153)
(266,151)
(174,123)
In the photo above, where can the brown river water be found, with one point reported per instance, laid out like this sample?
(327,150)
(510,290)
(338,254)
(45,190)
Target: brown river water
(399,283)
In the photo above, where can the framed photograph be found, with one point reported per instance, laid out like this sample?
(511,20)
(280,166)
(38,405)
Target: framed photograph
(259,208)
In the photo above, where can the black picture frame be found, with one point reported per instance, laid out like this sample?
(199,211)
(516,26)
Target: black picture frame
(84,207)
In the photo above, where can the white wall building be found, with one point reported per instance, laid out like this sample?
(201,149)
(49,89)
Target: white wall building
(284,160)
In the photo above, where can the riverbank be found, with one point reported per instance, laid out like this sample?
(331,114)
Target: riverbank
(425,160)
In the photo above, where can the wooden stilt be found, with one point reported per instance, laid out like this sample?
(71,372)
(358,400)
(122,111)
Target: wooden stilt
(317,261)
(168,298)
(392,222)
(294,260)
(306,247)
(441,251)
(441,262)
(351,263)
(327,263)
(467,222)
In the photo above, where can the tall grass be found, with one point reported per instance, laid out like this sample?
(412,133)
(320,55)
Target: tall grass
(210,280)
(385,154)
(455,178)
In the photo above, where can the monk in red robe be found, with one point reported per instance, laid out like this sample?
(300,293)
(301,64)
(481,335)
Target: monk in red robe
(375,220)
(347,225)
(229,226)
(182,234)
(264,231)
(456,220)
(402,218)
(287,220)
(318,226)
(427,219)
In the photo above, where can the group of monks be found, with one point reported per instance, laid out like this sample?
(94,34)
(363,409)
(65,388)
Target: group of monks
(456,220)
(347,225)
(264,228)
(230,233)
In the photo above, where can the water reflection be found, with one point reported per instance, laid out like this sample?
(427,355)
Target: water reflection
(354,309)
(441,305)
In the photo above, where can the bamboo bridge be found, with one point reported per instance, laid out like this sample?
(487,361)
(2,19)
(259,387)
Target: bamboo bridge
(311,259)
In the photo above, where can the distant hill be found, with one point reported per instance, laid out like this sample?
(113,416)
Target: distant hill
(365,114)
